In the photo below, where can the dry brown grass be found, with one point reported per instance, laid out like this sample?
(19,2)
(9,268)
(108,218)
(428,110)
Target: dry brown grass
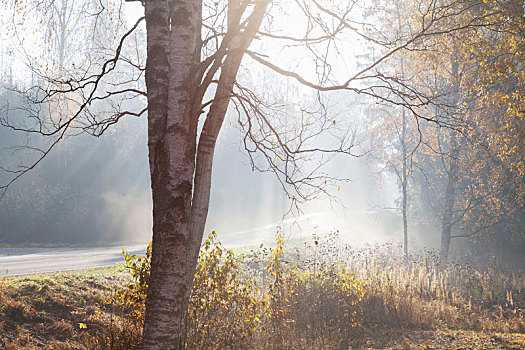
(59,311)
(322,298)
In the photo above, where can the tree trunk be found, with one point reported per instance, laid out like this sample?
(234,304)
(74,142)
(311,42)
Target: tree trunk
(404,183)
(404,170)
(181,171)
(452,172)
(172,131)
(214,121)
(449,204)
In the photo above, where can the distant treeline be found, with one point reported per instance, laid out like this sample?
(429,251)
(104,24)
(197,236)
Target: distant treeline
(85,190)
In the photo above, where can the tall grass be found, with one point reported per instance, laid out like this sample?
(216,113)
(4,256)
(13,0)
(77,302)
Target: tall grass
(323,294)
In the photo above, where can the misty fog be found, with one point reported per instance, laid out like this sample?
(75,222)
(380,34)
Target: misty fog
(91,190)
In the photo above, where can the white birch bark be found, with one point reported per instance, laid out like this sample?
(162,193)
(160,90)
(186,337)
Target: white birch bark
(181,173)
(173,34)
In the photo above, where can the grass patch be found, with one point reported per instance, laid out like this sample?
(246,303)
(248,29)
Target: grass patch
(325,296)
(50,311)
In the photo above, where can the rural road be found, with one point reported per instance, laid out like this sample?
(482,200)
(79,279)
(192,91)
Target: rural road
(20,261)
(32,261)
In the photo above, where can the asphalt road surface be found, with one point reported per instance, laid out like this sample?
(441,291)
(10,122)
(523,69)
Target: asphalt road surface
(20,262)
(32,261)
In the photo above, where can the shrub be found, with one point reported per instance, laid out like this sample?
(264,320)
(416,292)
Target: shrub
(328,299)
(222,312)
(134,296)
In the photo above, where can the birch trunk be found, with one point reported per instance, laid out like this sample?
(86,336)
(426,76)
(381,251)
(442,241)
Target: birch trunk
(181,171)
(404,146)
(404,184)
(452,172)
(173,43)
(450,194)
(213,125)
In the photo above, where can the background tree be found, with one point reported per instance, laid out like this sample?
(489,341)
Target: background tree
(394,130)
(452,67)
